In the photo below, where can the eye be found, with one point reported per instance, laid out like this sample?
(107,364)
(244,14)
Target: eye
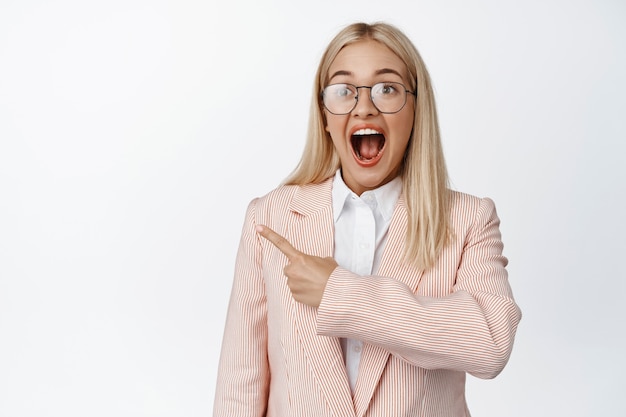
(342,90)
(387,89)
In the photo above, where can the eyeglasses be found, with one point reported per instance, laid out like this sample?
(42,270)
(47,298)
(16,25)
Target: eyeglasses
(387,97)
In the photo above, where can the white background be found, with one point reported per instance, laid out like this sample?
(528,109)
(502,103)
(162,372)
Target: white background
(134,133)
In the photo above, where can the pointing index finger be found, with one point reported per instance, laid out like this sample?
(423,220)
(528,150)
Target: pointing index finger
(277,240)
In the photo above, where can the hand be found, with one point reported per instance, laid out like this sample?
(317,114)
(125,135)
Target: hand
(306,274)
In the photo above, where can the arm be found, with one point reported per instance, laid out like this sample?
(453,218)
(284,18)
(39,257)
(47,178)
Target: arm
(243,374)
(472,329)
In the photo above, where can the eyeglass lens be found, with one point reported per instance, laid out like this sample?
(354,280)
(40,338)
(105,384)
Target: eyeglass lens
(388,97)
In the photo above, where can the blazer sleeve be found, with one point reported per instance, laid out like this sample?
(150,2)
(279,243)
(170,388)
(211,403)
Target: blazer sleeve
(243,373)
(472,329)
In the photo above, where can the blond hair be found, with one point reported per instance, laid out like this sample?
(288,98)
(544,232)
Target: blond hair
(423,170)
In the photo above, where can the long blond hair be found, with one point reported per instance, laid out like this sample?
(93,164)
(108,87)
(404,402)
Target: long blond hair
(423,171)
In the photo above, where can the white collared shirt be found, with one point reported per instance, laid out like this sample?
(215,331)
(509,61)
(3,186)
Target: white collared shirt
(361,225)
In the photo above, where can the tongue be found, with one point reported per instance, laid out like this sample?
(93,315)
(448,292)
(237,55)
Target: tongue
(370,145)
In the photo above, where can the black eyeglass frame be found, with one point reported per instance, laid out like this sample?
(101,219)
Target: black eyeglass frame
(356,97)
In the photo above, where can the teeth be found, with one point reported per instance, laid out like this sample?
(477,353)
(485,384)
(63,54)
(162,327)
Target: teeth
(368,131)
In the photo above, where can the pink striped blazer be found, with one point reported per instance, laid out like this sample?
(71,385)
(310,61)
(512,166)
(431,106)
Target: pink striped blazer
(422,330)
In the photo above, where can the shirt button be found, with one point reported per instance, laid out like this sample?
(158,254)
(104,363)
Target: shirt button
(357,349)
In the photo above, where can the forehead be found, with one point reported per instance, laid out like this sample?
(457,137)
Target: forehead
(366,59)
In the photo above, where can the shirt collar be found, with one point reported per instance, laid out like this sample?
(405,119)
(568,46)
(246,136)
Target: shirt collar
(386,196)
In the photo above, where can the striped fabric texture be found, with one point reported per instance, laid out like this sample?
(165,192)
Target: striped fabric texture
(422,330)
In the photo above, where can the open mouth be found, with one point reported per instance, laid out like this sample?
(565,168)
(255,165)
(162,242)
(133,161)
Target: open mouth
(367,145)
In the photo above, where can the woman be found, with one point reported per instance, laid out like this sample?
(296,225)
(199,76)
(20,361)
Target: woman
(364,286)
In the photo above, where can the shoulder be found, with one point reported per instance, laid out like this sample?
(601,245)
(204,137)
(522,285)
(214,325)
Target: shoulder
(277,198)
(293,198)
(466,209)
(464,201)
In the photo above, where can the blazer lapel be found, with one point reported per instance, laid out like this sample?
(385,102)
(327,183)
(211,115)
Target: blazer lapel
(312,232)
(392,263)
(374,359)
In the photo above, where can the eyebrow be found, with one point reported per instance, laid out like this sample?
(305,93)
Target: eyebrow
(378,72)
(388,71)
(340,72)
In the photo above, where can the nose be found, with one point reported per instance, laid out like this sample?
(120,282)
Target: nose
(364,105)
